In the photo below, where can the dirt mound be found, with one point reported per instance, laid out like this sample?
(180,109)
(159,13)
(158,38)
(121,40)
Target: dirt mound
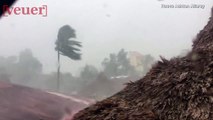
(176,89)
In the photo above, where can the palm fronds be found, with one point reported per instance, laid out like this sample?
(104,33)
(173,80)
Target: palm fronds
(65,45)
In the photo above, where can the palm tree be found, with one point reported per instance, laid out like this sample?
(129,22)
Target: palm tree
(65,45)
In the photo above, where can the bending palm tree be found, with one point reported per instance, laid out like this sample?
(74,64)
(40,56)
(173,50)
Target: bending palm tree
(66,46)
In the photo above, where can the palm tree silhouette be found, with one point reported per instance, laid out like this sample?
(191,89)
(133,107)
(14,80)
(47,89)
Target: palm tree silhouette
(66,46)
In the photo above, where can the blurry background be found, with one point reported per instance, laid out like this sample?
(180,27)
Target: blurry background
(121,39)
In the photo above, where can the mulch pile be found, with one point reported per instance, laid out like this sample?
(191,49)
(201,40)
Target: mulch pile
(176,89)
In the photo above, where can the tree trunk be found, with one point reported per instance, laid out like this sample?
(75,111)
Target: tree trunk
(58,74)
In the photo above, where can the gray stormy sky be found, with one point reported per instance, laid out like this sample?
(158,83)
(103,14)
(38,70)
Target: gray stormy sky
(103,26)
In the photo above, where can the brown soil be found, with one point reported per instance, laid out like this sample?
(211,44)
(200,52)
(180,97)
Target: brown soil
(176,89)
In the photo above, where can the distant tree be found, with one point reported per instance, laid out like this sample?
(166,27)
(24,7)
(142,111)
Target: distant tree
(27,66)
(110,65)
(89,72)
(4,76)
(21,69)
(117,64)
(124,66)
(65,45)
(29,63)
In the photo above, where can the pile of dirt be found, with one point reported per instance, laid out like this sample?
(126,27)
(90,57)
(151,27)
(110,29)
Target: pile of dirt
(176,89)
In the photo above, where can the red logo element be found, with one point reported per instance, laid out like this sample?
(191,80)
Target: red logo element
(42,11)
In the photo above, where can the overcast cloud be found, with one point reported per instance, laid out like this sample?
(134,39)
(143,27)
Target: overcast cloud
(103,26)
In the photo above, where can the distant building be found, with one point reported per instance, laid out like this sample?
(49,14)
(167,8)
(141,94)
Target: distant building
(135,59)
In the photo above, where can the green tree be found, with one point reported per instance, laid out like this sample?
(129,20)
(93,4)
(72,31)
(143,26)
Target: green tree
(66,46)
(89,72)
(110,65)
(28,67)
(124,67)
(118,64)
(22,69)
(29,63)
